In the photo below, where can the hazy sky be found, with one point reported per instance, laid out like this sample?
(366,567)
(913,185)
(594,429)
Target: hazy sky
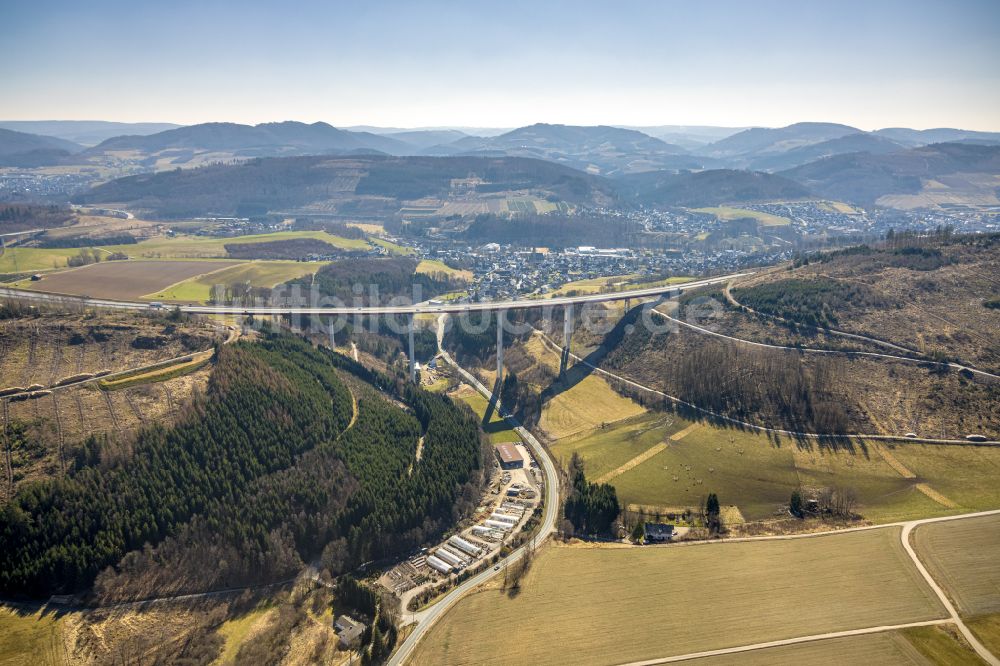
(870,63)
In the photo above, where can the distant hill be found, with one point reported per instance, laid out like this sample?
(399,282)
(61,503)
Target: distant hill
(690,137)
(599,149)
(420,139)
(264,140)
(29,150)
(860,142)
(912,137)
(84,132)
(865,178)
(706,188)
(760,140)
(361,185)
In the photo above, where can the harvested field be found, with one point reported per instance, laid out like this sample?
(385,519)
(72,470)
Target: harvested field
(962,556)
(890,648)
(664,598)
(125,280)
(257,274)
(987,630)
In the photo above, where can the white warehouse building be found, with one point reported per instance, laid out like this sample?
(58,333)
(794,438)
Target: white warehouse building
(448,557)
(465,546)
(438,565)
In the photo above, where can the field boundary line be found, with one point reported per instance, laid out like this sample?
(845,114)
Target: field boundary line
(787,641)
(633,463)
(980,649)
(193,277)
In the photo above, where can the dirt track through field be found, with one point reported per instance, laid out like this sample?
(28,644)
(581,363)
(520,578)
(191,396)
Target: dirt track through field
(906,473)
(634,462)
(681,434)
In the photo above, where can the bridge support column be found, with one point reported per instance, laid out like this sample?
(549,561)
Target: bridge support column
(413,358)
(500,320)
(628,304)
(567,337)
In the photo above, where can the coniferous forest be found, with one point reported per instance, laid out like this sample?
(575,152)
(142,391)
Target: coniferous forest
(271,468)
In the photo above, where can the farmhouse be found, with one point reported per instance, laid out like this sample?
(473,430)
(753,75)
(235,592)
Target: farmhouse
(348,630)
(658,532)
(509,456)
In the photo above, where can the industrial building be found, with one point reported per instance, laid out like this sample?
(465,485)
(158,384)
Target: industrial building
(465,546)
(509,456)
(449,557)
(438,565)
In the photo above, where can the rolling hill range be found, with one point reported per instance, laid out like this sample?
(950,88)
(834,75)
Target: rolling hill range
(23,149)
(926,176)
(705,188)
(600,150)
(266,139)
(371,184)
(759,141)
(84,132)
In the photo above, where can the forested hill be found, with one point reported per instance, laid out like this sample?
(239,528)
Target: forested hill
(279,183)
(268,471)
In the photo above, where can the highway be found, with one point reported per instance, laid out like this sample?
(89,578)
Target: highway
(425,307)
(426,618)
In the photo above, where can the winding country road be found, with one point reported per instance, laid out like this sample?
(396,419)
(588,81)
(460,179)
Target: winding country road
(812,350)
(754,426)
(426,618)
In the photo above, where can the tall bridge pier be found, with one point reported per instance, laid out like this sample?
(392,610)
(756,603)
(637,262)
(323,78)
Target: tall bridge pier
(567,336)
(500,319)
(413,356)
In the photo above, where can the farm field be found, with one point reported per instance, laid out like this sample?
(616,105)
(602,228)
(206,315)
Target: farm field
(891,648)
(258,274)
(587,405)
(124,280)
(962,556)
(987,630)
(435,266)
(727,213)
(30,638)
(752,472)
(29,259)
(393,248)
(663,599)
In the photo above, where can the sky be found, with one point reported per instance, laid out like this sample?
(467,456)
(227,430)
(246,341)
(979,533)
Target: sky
(869,64)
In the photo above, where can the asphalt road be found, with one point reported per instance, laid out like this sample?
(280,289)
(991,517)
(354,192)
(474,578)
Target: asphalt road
(425,307)
(427,617)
